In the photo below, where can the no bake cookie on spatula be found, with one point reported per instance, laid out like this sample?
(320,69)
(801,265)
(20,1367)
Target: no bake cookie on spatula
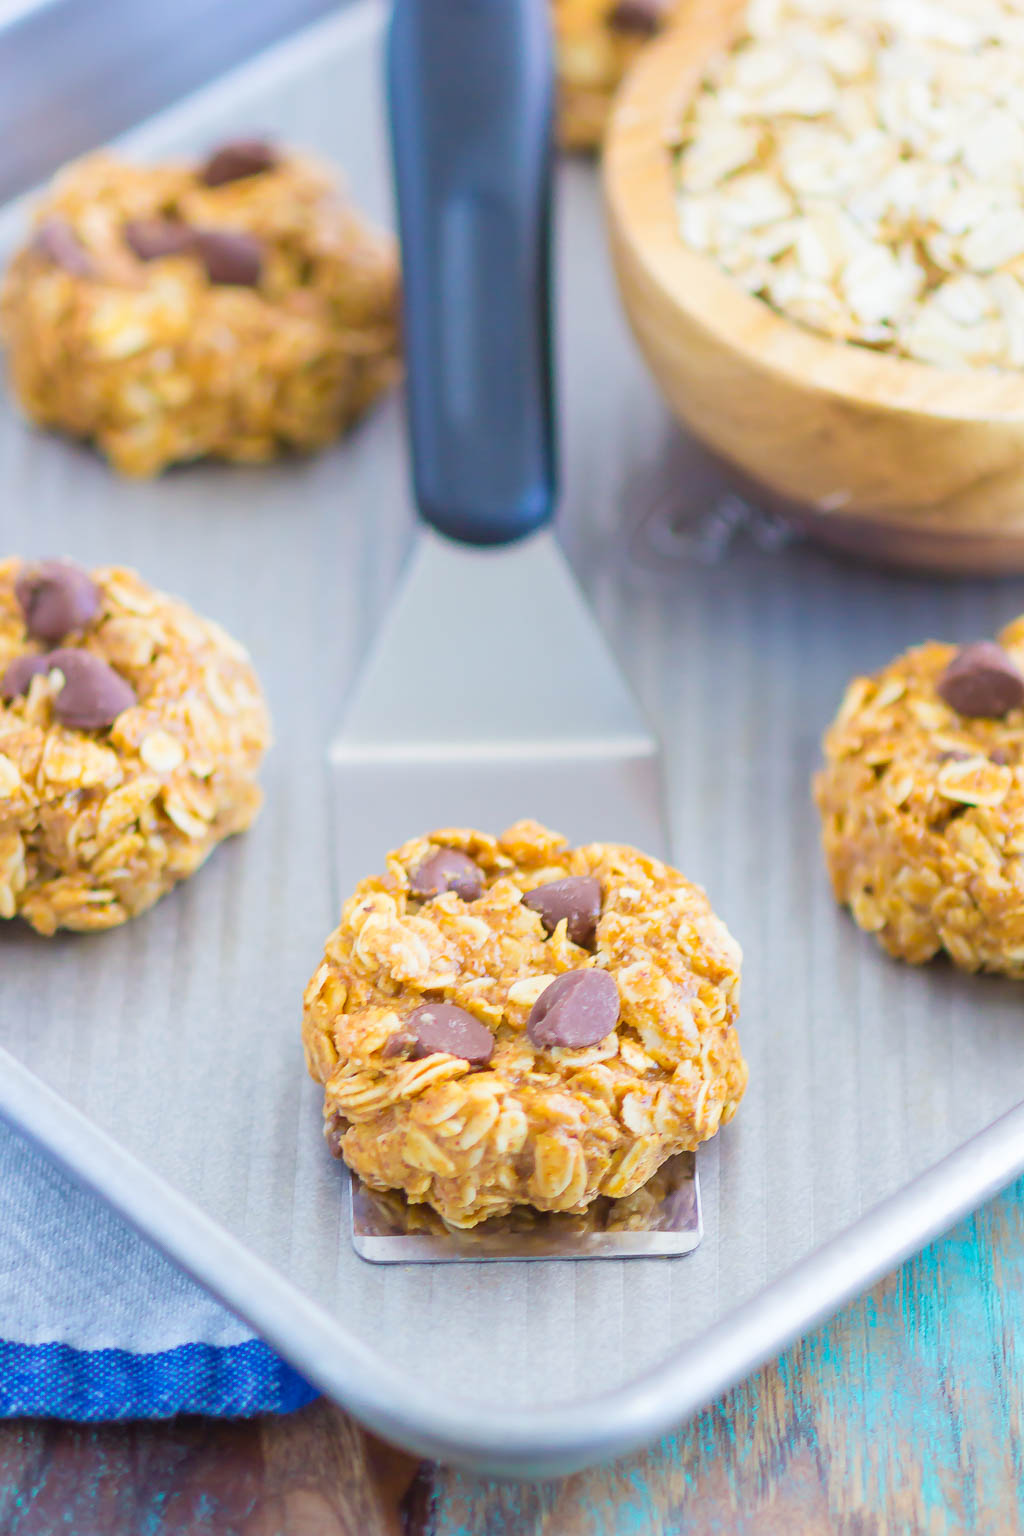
(510,1021)
(232,308)
(922,803)
(131,733)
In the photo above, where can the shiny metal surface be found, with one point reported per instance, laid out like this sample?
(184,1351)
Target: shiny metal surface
(76,72)
(162,1062)
(387,1231)
(519,673)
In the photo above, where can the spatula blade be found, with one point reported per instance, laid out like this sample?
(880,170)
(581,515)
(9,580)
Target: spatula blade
(491,696)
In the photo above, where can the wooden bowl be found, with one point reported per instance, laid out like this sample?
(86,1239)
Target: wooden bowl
(887,458)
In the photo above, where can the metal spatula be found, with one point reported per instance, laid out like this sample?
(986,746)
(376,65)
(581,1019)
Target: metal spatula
(490,695)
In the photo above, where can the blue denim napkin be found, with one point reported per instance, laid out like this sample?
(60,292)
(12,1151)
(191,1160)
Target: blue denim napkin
(96,1325)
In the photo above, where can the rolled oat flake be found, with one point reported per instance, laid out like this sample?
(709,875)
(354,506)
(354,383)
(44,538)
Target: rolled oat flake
(441,1028)
(56,598)
(982,681)
(576,1010)
(93,694)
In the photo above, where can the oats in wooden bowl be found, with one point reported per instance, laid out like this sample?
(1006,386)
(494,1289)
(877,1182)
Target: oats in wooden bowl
(816,212)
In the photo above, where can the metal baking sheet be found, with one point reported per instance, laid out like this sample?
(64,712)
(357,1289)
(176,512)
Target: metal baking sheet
(162,1063)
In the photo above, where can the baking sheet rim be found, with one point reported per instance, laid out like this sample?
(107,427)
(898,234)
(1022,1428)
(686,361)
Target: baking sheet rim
(532,1443)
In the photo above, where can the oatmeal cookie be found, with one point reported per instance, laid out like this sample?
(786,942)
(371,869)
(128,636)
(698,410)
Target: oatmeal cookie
(922,803)
(595,43)
(229,309)
(131,731)
(510,1021)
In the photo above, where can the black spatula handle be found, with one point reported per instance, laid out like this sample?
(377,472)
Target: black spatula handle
(470,87)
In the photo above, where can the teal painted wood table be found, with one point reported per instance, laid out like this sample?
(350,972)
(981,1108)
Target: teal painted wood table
(902,1415)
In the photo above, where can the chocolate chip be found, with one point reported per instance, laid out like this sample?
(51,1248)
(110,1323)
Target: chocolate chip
(643,18)
(20,673)
(398,1043)
(56,598)
(230,256)
(152,238)
(93,694)
(447,870)
(242,157)
(981,680)
(577,1009)
(56,240)
(576,898)
(441,1027)
(334,1133)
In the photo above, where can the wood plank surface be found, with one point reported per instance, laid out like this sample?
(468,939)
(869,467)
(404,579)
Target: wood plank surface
(903,1415)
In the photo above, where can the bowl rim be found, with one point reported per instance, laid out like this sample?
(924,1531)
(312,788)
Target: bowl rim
(640,144)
